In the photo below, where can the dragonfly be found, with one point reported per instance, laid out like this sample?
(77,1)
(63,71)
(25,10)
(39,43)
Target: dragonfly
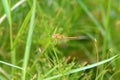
(62,37)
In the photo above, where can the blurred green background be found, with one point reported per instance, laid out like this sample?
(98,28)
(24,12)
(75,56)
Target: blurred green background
(96,19)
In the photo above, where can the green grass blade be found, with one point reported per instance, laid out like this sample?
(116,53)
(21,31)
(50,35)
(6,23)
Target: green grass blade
(51,70)
(13,8)
(29,39)
(107,39)
(91,16)
(8,13)
(82,68)
(2,62)
(25,22)
(4,73)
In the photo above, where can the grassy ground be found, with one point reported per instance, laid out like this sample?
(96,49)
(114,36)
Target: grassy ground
(30,49)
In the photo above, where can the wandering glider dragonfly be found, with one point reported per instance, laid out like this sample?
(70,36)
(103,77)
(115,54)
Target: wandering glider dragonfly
(62,37)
